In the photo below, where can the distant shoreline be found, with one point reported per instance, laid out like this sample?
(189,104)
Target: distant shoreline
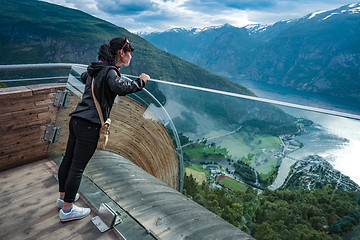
(287,94)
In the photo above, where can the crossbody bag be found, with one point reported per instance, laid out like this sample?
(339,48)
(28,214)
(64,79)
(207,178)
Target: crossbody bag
(105,126)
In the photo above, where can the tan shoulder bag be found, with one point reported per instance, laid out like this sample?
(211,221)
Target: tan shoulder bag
(105,126)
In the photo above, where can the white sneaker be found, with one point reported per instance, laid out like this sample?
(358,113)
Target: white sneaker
(75,213)
(60,202)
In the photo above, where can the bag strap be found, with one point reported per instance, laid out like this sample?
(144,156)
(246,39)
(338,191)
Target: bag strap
(98,108)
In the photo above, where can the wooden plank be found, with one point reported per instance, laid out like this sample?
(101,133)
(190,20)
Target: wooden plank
(33,182)
(27,102)
(10,127)
(14,173)
(47,87)
(22,123)
(23,157)
(25,99)
(24,212)
(23,115)
(28,153)
(37,145)
(46,102)
(32,213)
(51,113)
(22,136)
(15,92)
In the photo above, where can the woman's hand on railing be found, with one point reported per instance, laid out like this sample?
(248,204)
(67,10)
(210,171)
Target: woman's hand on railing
(144,77)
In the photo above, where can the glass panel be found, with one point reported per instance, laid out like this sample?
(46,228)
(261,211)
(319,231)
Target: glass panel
(226,129)
(233,143)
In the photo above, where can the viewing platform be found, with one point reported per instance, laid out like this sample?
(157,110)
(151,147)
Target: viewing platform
(135,187)
(141,183)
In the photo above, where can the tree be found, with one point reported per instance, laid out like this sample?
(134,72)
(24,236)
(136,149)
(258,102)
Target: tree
(265,232)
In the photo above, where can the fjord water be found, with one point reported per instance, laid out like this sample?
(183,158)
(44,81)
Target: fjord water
(340,137)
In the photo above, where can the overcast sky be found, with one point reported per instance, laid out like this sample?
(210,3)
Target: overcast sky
(160,15)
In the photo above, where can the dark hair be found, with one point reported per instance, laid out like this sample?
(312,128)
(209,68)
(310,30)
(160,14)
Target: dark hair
(107,52)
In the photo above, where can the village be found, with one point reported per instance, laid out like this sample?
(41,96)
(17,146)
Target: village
(315,172)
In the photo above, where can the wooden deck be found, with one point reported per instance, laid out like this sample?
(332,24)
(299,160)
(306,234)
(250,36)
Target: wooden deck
(28,211)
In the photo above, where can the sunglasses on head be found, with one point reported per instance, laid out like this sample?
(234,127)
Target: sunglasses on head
(126,43)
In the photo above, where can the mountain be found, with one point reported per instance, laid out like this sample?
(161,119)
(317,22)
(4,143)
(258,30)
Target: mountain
(38,32)
(224,49)
(318,53)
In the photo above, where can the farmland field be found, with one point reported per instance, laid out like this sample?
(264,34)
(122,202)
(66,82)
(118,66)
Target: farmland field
(231,183)
(242,143)
(204,151)
(200,177)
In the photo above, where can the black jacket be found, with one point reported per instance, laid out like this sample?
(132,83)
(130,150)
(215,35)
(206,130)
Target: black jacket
(107,85)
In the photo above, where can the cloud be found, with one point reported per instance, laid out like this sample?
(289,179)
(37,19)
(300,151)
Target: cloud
(126,7)
(225,5)
(157,15)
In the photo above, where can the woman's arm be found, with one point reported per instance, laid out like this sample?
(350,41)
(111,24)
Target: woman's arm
(121,87)
(83,77)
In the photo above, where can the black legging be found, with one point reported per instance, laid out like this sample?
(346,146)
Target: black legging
(81,145)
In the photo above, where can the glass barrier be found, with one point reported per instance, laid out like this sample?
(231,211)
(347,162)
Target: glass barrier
(224,130)
(241,145)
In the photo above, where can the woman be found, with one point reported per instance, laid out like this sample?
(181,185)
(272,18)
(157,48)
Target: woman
(85,123)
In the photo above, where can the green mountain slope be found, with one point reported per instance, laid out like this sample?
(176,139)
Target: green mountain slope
(37,32)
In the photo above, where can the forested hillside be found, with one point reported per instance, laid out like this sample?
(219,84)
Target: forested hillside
(282,214)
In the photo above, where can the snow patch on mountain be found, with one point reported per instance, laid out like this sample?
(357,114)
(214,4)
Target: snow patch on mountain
(315,13)
(349,9)
(332,14)
(199,30)
(257,28)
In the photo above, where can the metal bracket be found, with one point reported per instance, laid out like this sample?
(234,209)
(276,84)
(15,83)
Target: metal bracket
(107,218)
(52,133)
(62,98)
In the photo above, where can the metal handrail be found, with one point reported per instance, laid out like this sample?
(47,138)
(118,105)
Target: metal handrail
(34,79)
(293,105)
(38,66)
(28,67)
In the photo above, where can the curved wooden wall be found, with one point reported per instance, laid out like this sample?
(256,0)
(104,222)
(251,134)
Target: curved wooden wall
(143,141)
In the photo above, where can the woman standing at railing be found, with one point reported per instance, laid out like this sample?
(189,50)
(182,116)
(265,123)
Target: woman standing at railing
(85,122)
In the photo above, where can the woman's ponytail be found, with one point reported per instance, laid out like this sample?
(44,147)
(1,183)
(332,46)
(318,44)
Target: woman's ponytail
(105,54)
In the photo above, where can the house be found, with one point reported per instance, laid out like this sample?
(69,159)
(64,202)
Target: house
(210,166)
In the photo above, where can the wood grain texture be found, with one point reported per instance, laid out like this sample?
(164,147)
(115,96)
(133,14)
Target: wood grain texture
(24,114)
(28,210)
